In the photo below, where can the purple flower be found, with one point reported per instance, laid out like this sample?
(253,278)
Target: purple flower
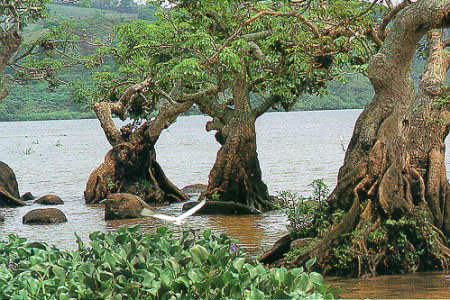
(234,249)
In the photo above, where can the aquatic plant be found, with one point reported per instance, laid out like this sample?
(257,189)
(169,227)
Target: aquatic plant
(130,265)
(28,151)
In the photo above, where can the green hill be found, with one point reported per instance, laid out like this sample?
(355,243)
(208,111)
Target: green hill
(36,101)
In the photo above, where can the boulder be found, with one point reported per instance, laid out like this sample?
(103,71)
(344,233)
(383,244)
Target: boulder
(44,216)
(194,189)
(222,208)
(50,200)
(27,197)
(9,189)
(124,206)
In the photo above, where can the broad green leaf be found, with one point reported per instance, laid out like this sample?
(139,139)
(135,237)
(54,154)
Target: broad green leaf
(238,263)
(199,253)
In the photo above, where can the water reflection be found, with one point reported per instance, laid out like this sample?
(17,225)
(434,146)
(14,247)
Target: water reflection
(429,285)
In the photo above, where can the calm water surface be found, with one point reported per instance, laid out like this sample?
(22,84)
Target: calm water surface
(56,157)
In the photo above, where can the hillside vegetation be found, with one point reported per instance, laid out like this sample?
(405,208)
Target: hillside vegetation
(36,101)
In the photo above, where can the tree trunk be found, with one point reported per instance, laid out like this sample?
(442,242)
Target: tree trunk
(236,175)
(386,201)
(10,42)
(131,166)
(430,125)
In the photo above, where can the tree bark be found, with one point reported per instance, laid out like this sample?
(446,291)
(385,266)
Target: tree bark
(236,175)
(430,125)
(10,43)
(131,165)
(387,177)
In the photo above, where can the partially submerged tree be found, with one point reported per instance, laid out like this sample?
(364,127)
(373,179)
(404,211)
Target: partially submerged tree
(131,166)
(124,86)
(270,51)
(392,191)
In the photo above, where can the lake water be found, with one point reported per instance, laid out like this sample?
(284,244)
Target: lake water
(56,157)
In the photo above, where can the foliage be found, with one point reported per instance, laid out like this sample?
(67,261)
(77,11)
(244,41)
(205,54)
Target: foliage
(308,216)
(129,265)
(405,244)
(35,100)
(201,44)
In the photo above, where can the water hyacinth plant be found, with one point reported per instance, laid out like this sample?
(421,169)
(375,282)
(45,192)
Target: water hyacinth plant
(130,265)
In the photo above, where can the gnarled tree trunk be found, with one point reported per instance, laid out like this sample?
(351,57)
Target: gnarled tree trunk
(388,185)
(236,175)
(131,166)
(429,128)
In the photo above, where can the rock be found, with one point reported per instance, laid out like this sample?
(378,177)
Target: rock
(222,208)
(44,216)
(50,200)
(9,189)
(194,189)
(27,197)
(124,206)
(2,219)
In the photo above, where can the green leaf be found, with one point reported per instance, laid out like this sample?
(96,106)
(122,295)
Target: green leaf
(199,253)
(87,268)
(280,274)
(254,294)
(316,278)
(59,272)
(310,263)
(207,233)
(238,263)
(302,281)
(38,268)
(196,275)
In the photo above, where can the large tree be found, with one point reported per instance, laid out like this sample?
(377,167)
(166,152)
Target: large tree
(255,55)
(392,191)
(124,85)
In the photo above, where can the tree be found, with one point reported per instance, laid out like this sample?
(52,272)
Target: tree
(390,207)
(15,16)
(131,166)
(275,51)
(121,86)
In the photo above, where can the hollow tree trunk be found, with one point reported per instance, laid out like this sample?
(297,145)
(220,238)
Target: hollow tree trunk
(379,184)
(236,175)
(131,166)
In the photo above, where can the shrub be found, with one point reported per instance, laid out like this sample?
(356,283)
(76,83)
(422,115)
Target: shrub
(129,265)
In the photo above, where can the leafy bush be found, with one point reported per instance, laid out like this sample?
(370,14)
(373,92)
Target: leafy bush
(308,216)
(129,265)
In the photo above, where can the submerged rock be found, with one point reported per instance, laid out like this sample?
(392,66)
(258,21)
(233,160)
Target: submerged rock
(2,218)
(44,216)
(222,208)
(27,197)
(124,206)
(9,189)
(50,200)
(194,189)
